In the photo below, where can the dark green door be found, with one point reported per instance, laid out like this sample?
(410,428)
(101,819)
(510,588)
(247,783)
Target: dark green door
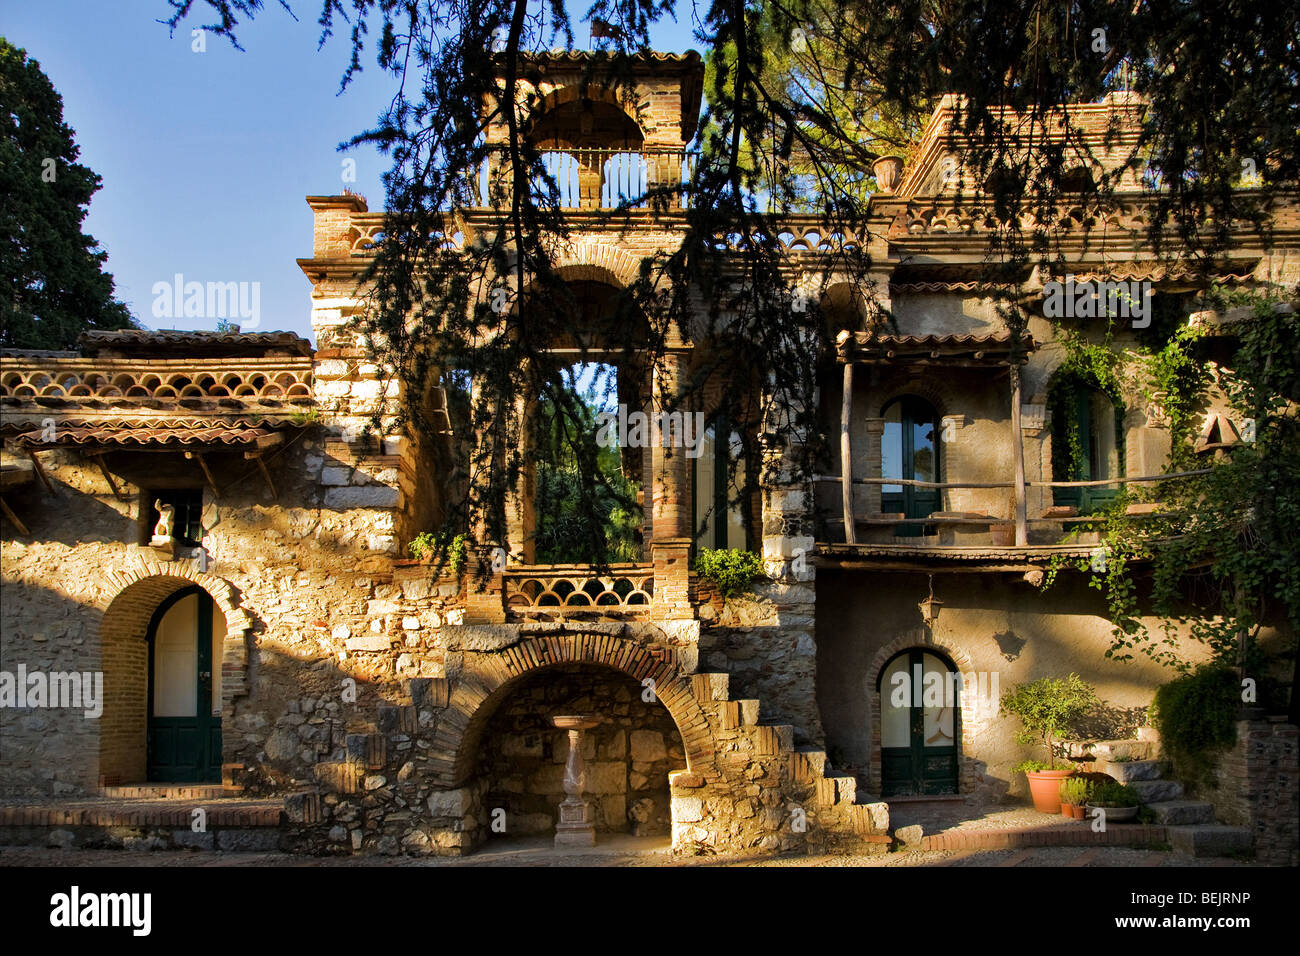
(1094,452)
(909,451)
(184,738)
(919,713)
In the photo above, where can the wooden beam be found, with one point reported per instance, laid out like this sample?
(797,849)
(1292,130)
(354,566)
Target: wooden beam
(99,460)
(9,513)
(1018,452)
(257,457)
(40,473)
(846,454)
(203,463)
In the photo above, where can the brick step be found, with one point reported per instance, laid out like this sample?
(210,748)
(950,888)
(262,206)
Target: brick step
(227,812)
(1067,834)
(711,686)
(162,791)
(1127,771)
(1182,812)
(1156,791)
(1210,840)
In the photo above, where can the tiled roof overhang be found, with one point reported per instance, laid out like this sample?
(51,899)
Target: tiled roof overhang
(992,349)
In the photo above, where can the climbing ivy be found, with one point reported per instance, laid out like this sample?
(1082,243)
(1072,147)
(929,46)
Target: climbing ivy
(1218,561)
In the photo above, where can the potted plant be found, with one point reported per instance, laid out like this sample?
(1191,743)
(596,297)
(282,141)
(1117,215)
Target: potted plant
(1118,801)
(1074,796)
(1046,708)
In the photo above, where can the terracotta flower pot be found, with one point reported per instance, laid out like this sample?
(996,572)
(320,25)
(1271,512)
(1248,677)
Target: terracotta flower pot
(1080,812)
(1067,810)
(1045,788)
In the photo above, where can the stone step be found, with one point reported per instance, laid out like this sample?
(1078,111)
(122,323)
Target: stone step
(837,789)
(1110,750)
(1155,791)
(1182,812)
(712,686)
(1127,771)
(773,739)
(1210,840)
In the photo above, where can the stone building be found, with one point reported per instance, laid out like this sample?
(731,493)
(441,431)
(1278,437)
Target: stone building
(205,521)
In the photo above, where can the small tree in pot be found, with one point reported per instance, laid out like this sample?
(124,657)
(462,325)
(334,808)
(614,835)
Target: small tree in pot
(1046,708)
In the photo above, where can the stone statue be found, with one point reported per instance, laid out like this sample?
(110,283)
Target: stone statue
(162,531)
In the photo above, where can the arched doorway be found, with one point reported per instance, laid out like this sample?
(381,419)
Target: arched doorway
(920,714)
(185,639)
(909,451)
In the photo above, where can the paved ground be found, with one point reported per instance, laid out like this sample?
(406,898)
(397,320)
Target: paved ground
(617,851)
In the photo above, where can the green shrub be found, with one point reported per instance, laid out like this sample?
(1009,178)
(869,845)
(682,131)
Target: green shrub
(1047,707)
(1075,790)
(1032,766)
(428,544)
(1114,795)
(1196,715)
(731,570)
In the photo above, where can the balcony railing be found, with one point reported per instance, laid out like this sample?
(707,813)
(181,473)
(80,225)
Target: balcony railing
(604,178)
(980,528)
(575,590)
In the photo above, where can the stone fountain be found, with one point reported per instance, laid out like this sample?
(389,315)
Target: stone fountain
(575,827)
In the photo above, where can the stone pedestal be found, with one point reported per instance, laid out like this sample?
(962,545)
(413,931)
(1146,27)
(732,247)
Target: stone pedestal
(575,826)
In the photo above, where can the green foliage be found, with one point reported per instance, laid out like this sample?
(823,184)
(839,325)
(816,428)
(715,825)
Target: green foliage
(52,283)
(1047,707)
(453,549)
(730,569)
(1032,766)
(1114,795)
(1075,790)
(1196,715)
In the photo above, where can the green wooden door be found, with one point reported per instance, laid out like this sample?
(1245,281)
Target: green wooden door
(1100,451)
(919,714)
(184,736)
(910,451)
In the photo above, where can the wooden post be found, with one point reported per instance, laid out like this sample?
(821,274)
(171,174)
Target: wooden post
(846,455)
(1018,450)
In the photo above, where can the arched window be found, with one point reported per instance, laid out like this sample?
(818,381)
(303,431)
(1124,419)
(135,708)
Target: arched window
(920,710)
(1087,443)
(909,450)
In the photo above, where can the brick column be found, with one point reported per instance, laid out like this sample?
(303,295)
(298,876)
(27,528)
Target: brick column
(671,500)
(672,563)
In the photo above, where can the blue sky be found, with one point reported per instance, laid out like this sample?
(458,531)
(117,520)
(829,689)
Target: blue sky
(206,157)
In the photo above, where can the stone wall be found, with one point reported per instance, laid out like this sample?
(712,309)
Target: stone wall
(628,757)
(1258,786)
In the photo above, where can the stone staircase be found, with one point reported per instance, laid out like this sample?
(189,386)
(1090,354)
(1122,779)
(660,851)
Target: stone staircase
(830,798)
(1191,823)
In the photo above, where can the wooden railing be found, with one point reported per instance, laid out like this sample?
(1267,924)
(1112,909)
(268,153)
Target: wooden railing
(978,518)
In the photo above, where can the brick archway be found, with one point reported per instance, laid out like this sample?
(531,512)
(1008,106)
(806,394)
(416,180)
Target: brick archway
(122,628)
(489,677)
